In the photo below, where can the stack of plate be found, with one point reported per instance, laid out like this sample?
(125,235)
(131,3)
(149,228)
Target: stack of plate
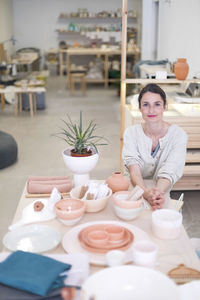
(100,239)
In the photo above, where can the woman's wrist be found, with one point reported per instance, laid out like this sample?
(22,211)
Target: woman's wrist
(146,194)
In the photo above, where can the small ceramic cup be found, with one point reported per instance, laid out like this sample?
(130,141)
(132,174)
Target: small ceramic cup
(115,258)
(144,253)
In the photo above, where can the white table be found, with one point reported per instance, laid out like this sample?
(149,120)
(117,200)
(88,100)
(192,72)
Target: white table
(18,91)
(170,254)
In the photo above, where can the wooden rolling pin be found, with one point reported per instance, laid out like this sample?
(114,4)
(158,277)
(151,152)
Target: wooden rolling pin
(44,195)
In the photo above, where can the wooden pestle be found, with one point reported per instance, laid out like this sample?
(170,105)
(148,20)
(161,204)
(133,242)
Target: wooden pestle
(135,194)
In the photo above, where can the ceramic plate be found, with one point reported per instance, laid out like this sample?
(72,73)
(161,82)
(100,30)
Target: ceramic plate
(32,238)
(71,242)
(122,244)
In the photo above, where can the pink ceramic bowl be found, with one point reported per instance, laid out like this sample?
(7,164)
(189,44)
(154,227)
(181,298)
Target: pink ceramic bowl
(97,238)
(91,205)
(69,210)
(119,199)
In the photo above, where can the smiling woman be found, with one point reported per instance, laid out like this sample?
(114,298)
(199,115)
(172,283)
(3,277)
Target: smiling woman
(154,149)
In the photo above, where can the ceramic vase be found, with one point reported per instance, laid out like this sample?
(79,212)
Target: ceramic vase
(80,166)
(117,182)
(181,69)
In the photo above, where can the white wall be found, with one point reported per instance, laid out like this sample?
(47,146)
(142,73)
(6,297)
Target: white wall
(149,30)
(35,21)
(179,32)
(6,25)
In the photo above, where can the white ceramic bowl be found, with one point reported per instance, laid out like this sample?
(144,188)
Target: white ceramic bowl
(119,199)
(91,205)
(127,214)
(166,223)
(129,282)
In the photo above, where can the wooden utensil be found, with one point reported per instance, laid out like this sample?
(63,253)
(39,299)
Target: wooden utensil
(182,274)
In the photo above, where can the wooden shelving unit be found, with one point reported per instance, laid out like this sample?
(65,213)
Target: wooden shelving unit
(106,54)
(96,21)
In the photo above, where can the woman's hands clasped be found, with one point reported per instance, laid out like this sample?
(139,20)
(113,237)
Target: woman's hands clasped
(155,197)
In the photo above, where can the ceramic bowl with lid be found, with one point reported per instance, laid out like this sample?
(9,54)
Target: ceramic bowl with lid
(69,211)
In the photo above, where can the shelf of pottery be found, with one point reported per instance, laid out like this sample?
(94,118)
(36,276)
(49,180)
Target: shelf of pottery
(101,27)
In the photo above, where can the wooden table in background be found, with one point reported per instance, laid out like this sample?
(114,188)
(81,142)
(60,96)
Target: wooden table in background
(18,91)
(106,53)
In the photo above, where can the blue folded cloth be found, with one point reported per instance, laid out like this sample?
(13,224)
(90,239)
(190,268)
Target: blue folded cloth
(32,272)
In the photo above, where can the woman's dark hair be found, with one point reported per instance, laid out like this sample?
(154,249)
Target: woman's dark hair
(152,88)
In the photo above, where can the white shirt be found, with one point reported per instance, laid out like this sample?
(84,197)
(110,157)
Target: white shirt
(170,159)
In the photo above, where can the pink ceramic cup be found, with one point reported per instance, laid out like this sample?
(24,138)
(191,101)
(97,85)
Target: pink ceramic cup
(115,232)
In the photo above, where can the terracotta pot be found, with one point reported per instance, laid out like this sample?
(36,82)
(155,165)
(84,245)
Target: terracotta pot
(181,69)
(117,182)
(86,153)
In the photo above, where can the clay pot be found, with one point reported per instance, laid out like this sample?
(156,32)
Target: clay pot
(117,182)
(85,153)
(181,69)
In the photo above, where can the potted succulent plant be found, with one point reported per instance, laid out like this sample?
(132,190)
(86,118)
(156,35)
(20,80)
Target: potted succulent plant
(82,154)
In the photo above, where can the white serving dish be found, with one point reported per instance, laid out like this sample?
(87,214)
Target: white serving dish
(166,223)
(32,238)
(129,282)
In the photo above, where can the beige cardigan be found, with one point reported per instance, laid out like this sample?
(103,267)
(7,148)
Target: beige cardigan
(170,159)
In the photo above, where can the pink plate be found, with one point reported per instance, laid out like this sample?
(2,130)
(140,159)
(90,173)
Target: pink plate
(121,244)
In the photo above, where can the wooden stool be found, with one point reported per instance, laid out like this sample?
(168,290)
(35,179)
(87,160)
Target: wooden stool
(32,102)
(2,101)
(32,93)
(2,97)
(77,77)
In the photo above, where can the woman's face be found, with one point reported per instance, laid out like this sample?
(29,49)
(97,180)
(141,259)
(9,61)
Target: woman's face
(152,107)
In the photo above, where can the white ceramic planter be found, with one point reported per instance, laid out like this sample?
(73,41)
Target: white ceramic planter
(80,166)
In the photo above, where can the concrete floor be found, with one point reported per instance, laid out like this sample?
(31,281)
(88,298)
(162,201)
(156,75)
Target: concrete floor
(40,152)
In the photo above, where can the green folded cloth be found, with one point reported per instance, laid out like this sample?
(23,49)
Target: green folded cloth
(32,272)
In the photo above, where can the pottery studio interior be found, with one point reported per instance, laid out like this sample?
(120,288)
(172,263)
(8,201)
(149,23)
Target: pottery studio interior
(70,76)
